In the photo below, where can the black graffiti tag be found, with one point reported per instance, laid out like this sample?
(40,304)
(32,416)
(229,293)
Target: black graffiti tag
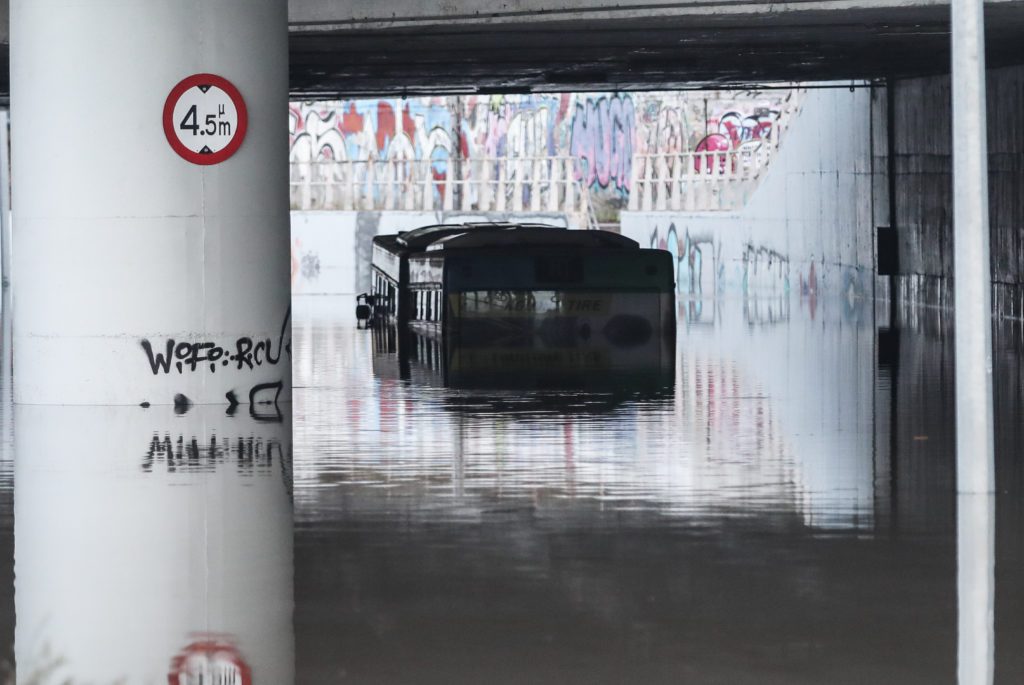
(189,454)
(244,352)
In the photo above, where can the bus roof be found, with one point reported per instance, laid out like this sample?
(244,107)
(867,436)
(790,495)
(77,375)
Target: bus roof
(534,236)
(421,238)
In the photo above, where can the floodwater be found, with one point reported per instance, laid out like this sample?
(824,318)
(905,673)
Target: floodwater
(773,503)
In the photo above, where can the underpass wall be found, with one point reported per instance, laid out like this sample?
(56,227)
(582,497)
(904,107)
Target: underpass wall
(807,229)
(793,271)
(923,188)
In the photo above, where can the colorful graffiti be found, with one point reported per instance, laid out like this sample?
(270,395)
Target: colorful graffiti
(371,129)
(698,262)
(603,132)
(701,265)
(505,126)
(742,129)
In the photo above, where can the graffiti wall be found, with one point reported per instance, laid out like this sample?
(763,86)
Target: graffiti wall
(806,229)
(602,132)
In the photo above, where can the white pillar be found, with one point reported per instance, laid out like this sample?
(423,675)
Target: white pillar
(973,283)
(975,585)
(122,243)
(5,200)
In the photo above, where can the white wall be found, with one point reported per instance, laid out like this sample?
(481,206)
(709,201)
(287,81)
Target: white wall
(807,228)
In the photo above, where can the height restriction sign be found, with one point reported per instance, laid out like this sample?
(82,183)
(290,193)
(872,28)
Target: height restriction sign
(205,119)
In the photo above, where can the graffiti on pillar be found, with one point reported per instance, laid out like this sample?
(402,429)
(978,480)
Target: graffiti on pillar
(245,353)
(188,356)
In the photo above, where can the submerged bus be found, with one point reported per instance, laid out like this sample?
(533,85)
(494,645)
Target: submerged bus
(529,296)
(388,299)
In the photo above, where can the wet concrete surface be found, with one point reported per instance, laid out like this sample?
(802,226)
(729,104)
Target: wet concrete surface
(782,510)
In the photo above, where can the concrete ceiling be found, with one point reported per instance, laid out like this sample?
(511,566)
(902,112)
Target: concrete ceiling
(660,44)
(394,47)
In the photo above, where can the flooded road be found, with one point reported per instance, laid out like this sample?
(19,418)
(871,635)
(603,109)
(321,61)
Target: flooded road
(781,509)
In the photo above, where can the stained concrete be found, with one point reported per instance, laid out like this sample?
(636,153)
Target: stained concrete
(923,185)
(391,47)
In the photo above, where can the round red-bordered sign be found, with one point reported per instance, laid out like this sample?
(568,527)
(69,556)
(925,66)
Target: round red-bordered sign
(210,658)
(205,119)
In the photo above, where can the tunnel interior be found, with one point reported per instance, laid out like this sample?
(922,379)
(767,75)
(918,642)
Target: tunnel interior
(763,490)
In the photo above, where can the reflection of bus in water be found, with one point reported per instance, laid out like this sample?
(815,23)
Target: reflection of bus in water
(426,360)
(523,291)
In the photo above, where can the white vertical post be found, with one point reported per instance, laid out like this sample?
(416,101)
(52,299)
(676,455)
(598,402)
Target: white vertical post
(554,166)
(691,179)
(306,186)
(353,198)
(369,185)
(330,182)
(448,203)
(5,201)
(972,279)
(975,588)
(466,196)
(674,182)
(389,184)
(517,186)
(409,185)
(570,186)
(428,186)
(646,203)
(634,179)
(502,182)
(662,183)
(485,192)
(726,185)
(535,185)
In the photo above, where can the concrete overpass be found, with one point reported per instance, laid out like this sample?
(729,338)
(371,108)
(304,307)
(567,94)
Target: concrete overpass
(466,46)
(557,45)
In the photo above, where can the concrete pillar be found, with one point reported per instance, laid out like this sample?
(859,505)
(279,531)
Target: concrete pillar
(5,199)
(140,276)
(975,588)
(975,470)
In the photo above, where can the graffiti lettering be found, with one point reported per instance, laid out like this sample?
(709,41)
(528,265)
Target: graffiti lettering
(190,356)
(603,130)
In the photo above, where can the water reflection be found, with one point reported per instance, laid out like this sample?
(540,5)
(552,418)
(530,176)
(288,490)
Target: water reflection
(152,546)
(783,512)
(773,503)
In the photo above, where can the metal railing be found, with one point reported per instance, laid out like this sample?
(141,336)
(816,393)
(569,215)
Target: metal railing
(519,184)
